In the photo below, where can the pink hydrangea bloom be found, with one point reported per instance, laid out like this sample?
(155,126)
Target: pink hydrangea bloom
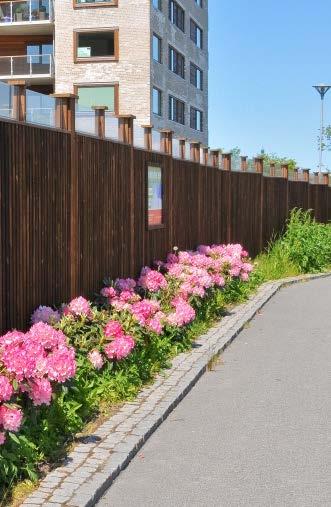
(10,418)
(125,284)
(78,307)
(47,336)
(40,391)
(45,314)
(144,310)
(183,314)
(108,292)
(6,389)
(96,359)
(2,438)
(113,329)
(152,280)
(120,348)
(61,364)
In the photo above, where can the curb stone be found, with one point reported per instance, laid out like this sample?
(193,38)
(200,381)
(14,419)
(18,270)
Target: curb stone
(91,467)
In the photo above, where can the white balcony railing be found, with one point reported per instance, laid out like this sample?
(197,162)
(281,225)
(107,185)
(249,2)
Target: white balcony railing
(27,66)
(26,11)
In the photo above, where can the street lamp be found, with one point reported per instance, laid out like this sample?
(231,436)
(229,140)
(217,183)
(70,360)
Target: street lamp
(322,90)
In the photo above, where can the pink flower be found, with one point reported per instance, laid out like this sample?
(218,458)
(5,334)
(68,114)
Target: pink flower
(96,359)
(2,438)
(152,280)
(244,277)
(108,292)
(40,391)
(113,329)
(47,336)
(61,364)
(125,284)
(120,348)
(144,310)
(183,314)
(11,418)
(79,307)
(6,389)
(45,314)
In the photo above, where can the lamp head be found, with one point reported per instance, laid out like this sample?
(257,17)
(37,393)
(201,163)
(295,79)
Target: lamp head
(322,89)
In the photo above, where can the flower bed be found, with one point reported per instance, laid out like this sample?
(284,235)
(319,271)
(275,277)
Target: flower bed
(54,377)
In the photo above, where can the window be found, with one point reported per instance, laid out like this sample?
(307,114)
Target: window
(199,3)
(157,4)
(96,45)
(157,101)
(39,53)
(176,62)
(95,3)
(196,119)
(176,110)
(154,196)
(196,76)
(157,48)
(177,15)
(97,95)
(196,34)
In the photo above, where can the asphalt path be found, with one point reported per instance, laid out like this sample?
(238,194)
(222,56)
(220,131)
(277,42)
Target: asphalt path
(254,431)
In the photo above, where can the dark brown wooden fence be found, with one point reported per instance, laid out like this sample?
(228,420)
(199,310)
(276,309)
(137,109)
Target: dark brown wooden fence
(73,210)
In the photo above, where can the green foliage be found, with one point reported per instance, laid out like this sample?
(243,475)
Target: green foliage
(307,243)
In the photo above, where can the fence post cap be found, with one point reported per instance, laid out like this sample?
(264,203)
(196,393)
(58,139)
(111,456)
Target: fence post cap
(182,139)
(243,156)
(196,143)
(64,96)
(100,108)
(216,150)
(226,153)
(147,126)
(126,116)
(166,131)
(306,170)
(17,82)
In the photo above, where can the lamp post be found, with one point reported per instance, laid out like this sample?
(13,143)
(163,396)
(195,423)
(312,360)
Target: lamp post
(322,89)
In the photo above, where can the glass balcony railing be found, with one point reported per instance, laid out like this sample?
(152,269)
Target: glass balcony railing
(26,66)
(28,11)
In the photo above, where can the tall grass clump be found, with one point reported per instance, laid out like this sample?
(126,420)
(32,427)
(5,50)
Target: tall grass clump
(307,243)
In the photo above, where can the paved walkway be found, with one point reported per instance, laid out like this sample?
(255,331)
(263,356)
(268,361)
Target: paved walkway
(255,431)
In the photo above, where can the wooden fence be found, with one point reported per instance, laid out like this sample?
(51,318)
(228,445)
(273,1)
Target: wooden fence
(73,210)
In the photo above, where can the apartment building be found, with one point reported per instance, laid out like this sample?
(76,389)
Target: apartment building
(148,58)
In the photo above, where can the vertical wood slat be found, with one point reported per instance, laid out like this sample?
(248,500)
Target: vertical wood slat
(64,192)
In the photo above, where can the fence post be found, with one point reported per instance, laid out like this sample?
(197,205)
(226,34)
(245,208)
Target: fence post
(65,110)
(166,141)
(215,158)
(272,166)
(258,163)
(205,155)
(326,179)
(100,125)
(125,128)
(226,158)
(195,152)
(305,173)
(284,170)
(19,99)
(148,137)
(65,119)
(243,163)
(182,148)
(316,178)
(296,174)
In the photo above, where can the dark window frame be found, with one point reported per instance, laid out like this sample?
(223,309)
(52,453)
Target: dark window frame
(179,116)
(193,119)
(160,104)
(94,5)
(194,28)
(193,76)
(179,62)
(177,15)
(94,59)
(156,36)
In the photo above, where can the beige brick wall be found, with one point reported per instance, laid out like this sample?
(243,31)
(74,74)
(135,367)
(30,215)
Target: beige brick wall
(132,72)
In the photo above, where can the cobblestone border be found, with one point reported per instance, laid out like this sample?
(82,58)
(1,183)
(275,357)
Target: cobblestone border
(91,468)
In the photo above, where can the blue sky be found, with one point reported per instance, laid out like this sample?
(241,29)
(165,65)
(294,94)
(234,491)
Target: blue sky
(265,55)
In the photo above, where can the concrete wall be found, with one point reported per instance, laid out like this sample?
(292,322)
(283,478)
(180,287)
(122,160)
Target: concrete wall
(132,72)
(172,84)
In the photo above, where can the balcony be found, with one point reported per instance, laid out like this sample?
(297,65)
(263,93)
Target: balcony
(23,17)
(35,69)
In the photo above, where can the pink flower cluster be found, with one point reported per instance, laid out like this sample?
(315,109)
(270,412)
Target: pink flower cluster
(29,363)
(183,276)
(120,345)
(78,307)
